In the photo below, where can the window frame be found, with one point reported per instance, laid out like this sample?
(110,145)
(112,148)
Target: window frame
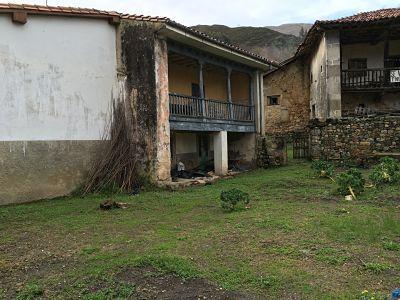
(271,97)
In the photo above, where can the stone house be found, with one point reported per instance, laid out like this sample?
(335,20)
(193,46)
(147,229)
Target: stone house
(287,98)
(61,69)
(353,86)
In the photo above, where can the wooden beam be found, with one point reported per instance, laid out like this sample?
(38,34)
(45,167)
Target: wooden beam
(19,17)
(206,58)
(114,20)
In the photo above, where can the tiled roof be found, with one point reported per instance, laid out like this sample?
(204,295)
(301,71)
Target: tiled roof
(371,16)
(56,10)
(86,12)
(313,35)
(201,35)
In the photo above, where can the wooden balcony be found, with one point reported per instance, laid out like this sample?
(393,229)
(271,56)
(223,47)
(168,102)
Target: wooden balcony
(371,79)
(198,114)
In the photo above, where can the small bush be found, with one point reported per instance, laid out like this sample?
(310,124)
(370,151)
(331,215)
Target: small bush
(391,246)
(387,171)
(352,178)
(377,268)
(366,295)
(31,291)
(322,168)
(229,199)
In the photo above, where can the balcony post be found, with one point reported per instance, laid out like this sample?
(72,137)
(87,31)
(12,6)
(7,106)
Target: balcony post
(229,91)
(251,94)
(201,88)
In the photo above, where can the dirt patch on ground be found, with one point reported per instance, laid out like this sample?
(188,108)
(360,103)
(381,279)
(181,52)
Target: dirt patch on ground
(152,285)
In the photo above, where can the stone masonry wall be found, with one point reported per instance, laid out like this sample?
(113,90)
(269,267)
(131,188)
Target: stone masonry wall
(145,63)
(353,138)
(292,84)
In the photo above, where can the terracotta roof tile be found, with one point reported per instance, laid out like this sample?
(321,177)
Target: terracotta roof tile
(371,16)
(381,15)
(56,10)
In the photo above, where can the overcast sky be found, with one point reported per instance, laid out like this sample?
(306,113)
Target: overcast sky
(233,12)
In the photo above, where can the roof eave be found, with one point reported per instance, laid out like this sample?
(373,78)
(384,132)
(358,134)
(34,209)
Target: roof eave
(187,38)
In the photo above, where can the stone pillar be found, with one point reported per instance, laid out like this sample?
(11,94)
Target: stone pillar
(221,153)
(333,74)
(163,159)
(257,99)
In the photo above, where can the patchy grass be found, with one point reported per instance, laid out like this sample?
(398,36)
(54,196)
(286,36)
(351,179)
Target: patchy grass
(299,238)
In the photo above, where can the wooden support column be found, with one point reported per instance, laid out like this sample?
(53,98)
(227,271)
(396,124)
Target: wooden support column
(251,89)
(385,57)
(229,91)
(201,88)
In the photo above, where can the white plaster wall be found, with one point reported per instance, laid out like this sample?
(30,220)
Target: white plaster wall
(373,54)
(57,77)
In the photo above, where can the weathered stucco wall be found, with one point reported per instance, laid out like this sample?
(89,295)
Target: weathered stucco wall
(240,83)
(291,83)
(333,74)
(373,101)
(57,77)
(184,146)
(325,89)
(350,139)
(242,148)
(181,78)
(33,170)
(215,86)
(318,101)
(374,53)
(57,80)
(145,62)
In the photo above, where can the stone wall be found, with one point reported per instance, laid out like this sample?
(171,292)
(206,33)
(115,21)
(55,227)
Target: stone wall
(291,83)
(352,138)
(145,63)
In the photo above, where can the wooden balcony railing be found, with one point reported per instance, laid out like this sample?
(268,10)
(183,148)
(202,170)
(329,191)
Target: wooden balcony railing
(371,78)
(193,107)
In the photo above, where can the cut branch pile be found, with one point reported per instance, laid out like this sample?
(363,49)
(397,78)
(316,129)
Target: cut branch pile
(116,166)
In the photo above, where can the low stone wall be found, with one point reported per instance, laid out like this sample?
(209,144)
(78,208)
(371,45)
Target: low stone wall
(354,138)
(271,151)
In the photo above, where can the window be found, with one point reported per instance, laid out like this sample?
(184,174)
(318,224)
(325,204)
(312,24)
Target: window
(273,100)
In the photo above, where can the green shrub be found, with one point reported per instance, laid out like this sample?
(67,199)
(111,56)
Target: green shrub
(229,199)
(391,246)
(377,268)
(352,178)
(30,291)
(322,168)
(366,295)
(387,171)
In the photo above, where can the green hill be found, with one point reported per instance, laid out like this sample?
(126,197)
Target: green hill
(261,40)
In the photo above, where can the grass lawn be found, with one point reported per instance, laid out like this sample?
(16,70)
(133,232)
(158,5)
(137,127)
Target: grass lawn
(299,240)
